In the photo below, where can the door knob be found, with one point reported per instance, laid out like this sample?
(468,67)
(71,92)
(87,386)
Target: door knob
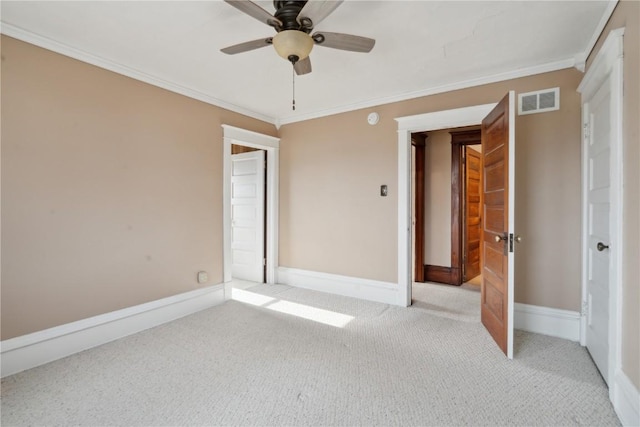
(498,239)
(601,246)
(518,239)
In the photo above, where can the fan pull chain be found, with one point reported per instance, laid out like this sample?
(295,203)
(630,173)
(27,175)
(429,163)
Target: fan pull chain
(293,80)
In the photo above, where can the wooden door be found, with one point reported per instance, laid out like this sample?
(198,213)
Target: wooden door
(473,230)
(247,216)
(498,150)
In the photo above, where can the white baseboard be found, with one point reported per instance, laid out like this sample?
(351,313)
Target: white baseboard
(28,351)
(228,291)
(547,321)
(626,400)
(367,289)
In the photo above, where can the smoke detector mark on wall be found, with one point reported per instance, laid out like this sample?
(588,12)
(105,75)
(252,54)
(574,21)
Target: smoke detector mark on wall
(539,101)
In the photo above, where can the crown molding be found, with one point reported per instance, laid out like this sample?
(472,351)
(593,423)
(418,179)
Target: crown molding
(61,48)
(581,58)
(72,52)
(494,78)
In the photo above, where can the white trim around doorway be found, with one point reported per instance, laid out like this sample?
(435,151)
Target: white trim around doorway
(467,116)
(238,136)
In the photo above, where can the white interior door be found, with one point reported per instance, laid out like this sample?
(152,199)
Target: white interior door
(598,129)
(247,216)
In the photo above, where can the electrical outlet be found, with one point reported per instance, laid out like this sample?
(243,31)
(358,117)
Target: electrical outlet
(203,277)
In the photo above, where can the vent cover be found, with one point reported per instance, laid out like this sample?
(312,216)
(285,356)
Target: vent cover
(539,101)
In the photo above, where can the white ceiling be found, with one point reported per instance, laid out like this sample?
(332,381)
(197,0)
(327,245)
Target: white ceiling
(422,47)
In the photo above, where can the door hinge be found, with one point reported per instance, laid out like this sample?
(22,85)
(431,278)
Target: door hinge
(584,309)
(264,262)
(586,130)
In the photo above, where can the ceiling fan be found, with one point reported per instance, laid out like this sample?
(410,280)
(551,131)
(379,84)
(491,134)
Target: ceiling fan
(294,20)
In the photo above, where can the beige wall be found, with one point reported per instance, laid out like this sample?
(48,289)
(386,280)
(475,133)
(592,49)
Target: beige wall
(334,221)
(627,14)
(111,190)
(332,217)
(437,199)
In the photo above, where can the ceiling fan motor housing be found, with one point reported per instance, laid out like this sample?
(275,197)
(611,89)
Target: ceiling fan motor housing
(287,12)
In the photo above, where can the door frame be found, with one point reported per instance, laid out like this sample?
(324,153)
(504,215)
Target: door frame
(608,63)
(233,135)
(419,142)
(446,119)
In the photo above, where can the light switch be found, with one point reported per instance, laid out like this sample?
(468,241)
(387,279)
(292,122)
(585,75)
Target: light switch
(383,190)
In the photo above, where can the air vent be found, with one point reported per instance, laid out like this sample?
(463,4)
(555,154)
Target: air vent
(539,101)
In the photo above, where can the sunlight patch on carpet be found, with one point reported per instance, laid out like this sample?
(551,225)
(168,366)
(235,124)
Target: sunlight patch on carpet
(319,315)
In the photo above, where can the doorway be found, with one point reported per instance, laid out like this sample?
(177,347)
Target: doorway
(271,146)
(601,90)
(248,213)
(447,119)
(498,130)
(466,205)
(446,198)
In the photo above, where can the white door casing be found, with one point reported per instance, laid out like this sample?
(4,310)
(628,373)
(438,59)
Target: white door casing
(247,216)
(511,214)
(601,321)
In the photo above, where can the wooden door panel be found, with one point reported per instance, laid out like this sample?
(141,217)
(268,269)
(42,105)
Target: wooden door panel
(493,298)
(474,253)
(494,220)
(494,175)
(473,188)
(493,260)
(474,236)
(473,178)
(493,309)
(474,213)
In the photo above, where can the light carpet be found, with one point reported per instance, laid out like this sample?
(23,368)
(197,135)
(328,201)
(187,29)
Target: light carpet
(247,364)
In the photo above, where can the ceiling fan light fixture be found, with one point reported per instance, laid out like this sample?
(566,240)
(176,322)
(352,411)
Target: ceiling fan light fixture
(293,43)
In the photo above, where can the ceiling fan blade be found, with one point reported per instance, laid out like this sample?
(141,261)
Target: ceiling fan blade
(252,9)
(344,41)
(303,67)
(246,46)
(317,10)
